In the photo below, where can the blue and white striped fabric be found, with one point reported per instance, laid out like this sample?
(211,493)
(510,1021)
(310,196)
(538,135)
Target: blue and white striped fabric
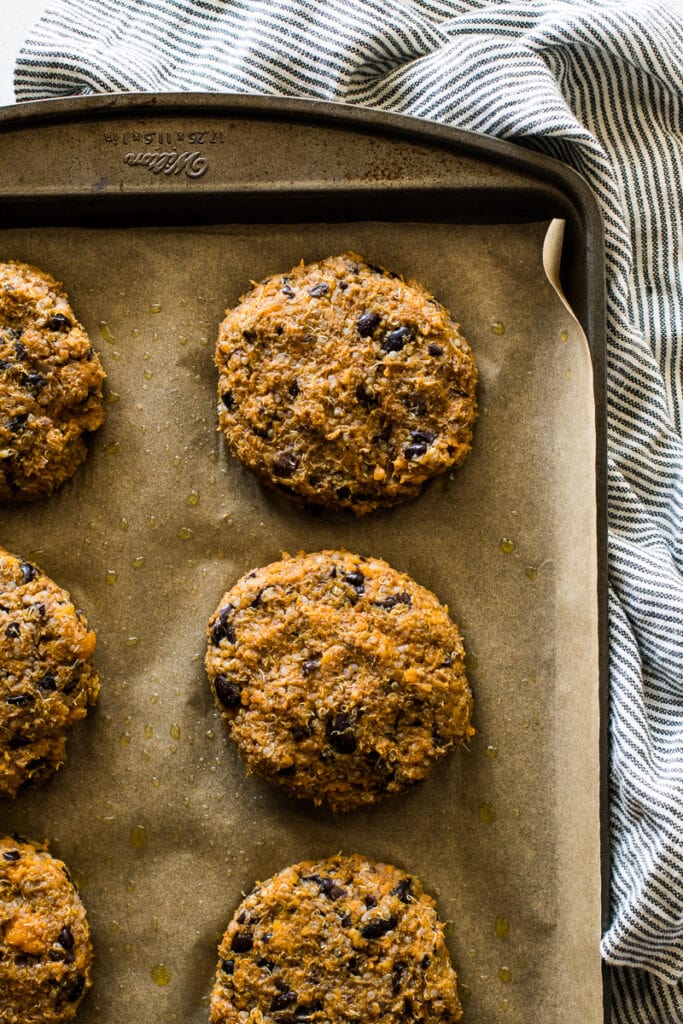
(598,84)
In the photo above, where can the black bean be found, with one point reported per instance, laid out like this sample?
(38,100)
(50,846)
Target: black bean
(48,684)
(288,291)
(59,322)
(343,493)
(415,451)
(228,692)
(28,571)
(285,464)
(17,423)
(343,742)
(384,435)
(376,929)
(370,901)
(396,975)
(404,890)
(222,631)
(423,436)
(20,700)
(366,398)
(73,990)
(35,380)
(329,888)
(242,942)
(395,340)
(59,956)
(283,1000)
(228,400)
(340,733)
(228,966)
(367,323)
(311,665)
(393,599)
(13,630)
(294,389)
(356,579)
(10,855)
(66,938)
(346,921)
(319,289)
(434,349)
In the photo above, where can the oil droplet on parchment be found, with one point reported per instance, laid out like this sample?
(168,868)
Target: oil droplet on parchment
(487,811)
(138,837)
(160,975)
(105,332)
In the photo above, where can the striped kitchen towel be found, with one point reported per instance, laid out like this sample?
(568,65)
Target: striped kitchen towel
(599,85)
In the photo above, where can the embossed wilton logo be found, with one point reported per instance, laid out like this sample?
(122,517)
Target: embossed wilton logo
(194,165)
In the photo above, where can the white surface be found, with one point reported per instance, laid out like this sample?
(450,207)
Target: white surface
(16,19)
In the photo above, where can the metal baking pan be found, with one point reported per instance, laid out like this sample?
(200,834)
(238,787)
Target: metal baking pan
(156,211)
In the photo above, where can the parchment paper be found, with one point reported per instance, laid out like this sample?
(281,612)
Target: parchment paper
(153,812)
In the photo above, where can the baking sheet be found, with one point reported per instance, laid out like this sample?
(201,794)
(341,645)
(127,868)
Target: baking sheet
(153,812)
